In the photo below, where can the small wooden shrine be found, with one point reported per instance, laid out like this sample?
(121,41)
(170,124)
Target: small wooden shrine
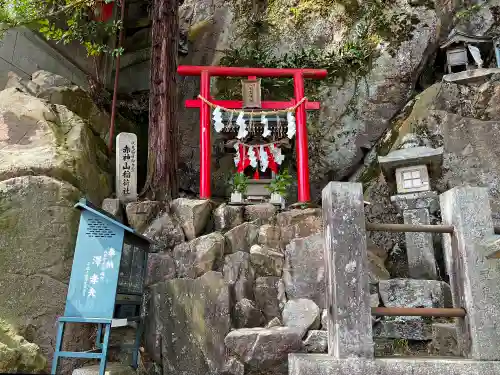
(465,52)
(256,129)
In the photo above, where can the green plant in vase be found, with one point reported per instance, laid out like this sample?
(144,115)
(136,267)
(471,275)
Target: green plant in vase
(279,187)
(239,185)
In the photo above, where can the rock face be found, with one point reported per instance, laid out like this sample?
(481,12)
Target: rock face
(140,214)
(316,342)
(37,138)
(246,315)
(193,318)
(52,152)
(17,354)
(264,349)
(266,261)
(37,213)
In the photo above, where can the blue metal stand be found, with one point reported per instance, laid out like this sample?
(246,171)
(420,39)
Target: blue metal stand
(90,355)
(106,283)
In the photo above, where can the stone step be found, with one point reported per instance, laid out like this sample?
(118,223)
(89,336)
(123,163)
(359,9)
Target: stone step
(112,368)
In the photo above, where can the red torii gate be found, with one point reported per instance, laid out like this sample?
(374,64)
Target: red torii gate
(298,75)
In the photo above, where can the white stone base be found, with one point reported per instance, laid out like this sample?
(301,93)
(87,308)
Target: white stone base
(323,364)
(112,368)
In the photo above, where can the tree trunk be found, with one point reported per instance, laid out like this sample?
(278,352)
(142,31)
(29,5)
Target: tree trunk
(162,180)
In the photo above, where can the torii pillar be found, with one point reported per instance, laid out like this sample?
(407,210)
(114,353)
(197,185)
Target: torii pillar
(298,75)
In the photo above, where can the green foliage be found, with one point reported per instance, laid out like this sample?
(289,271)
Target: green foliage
(239,183)
(63,21)
(281,183)
(467,13)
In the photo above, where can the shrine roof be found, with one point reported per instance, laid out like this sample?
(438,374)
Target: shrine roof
(457,36)
(85,204)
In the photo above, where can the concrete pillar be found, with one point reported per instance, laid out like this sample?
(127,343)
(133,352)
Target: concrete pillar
(474,278)
(347,289)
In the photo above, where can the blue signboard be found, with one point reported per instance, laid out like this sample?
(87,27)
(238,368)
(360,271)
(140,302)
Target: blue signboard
(96,265)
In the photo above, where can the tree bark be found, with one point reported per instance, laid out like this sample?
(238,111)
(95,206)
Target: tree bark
(162,180)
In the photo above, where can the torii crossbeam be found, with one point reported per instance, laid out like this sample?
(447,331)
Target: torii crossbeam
(298,75)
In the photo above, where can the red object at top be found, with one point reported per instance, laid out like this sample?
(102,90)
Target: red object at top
(103,12)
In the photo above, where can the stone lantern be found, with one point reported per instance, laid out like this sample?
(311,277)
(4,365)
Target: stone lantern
(410,171)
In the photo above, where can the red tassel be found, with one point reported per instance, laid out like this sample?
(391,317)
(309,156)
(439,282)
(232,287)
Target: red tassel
(256,175)
(244,161)
(272,164)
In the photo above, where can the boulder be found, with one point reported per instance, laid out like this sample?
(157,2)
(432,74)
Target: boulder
(200,255)
(299,224)
(262,212)
(140,214)
(194,317)
(316,342)
(114,207)
(269,296)
(269,235)
(304,269)
(161,267)
(246,315)
(18,355)
(39,139)
(165,232)
(264,349)
(192,214)
(302,315)
(266,262)
(227,217)
(239,275)
(39,226)
(241,238)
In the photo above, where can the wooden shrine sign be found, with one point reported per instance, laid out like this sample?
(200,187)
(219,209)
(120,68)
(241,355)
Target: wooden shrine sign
(251,93)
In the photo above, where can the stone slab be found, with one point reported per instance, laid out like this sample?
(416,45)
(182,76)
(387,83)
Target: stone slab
(413,201)
(322,364)
(473,277)
(420,247)
(126,167)
(346,262)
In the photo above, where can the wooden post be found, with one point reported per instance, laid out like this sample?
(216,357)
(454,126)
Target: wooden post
(205,144)
(304,193)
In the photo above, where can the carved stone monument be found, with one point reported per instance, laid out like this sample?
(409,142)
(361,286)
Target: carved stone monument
(410,169)
(126,167)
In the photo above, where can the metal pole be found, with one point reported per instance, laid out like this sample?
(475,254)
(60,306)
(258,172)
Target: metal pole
(304,193)
(384,227)
(117,75)
(205,145)
(420,311)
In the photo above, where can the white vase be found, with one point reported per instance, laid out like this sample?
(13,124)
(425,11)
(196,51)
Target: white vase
(277,199)
(236,197)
